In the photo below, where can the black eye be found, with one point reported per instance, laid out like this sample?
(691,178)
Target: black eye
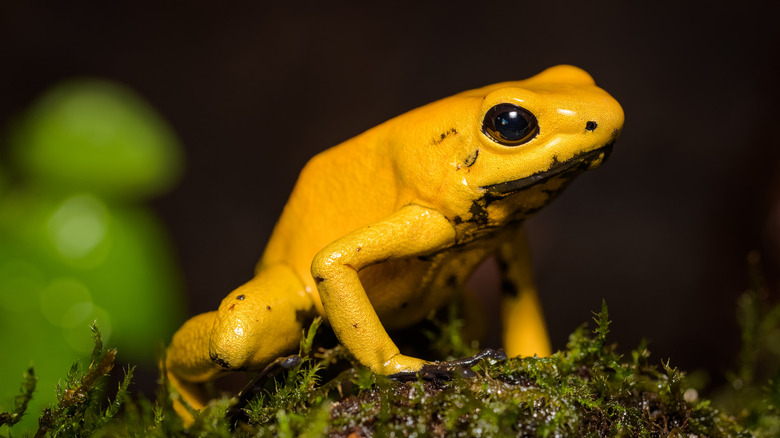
(510,124)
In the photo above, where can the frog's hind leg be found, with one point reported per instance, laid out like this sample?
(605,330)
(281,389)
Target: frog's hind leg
(187,363)
(524,329)
(255,324)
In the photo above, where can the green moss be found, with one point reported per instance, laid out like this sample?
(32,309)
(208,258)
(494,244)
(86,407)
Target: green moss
(589,389)
(753,390)
(79,410)
(21,401)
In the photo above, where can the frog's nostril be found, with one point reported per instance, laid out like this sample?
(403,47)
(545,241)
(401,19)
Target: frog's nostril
(591,125)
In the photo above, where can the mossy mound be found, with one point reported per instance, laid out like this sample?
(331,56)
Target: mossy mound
(586,390)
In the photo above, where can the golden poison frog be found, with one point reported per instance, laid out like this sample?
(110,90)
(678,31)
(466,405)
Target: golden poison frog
(384,228)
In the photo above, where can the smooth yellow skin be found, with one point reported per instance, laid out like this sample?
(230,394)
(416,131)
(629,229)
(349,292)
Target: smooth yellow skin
(388,226)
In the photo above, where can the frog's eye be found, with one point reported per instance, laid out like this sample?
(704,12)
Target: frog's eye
(510,125)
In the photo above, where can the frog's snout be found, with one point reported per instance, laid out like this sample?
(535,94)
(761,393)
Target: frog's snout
(598,157)
(607,150)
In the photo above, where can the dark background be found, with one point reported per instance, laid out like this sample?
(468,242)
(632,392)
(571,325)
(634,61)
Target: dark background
(661,232)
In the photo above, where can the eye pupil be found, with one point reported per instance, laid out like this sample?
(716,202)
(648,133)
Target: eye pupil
(509,125)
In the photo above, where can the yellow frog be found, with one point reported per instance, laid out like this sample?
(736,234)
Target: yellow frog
(389,225)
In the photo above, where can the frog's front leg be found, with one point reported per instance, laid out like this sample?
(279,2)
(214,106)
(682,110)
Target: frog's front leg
(411,231)
(524,329)
(255,324)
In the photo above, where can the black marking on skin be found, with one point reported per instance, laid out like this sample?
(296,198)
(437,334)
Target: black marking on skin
(490,197)
(231,307)
(457,220)
(578,163)
(472,158)
(217,359)
(268,307)
(444,136)
(354,324)
(478,210)
(318,279)
(503,267)
(240,297)
(508,288)
(452,281)
(591,125)
(532,210)
(358,249)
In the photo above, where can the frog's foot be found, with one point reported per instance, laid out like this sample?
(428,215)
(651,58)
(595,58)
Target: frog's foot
(446,370)
(237,413)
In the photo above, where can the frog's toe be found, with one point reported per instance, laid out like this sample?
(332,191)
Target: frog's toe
(487,353)
(448,370)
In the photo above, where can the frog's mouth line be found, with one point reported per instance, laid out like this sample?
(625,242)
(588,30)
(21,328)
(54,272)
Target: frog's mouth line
(579,163)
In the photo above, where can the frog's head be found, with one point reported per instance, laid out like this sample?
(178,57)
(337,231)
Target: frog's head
(503,151)
(543,128)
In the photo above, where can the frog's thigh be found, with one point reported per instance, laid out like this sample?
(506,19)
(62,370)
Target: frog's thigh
(187,356)
(187,361)
(261,320)
(254,325)
(524,329)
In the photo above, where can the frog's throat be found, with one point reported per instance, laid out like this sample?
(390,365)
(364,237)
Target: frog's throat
(579,163)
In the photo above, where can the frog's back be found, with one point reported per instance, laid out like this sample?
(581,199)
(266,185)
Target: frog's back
(338,191)
(357,183)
